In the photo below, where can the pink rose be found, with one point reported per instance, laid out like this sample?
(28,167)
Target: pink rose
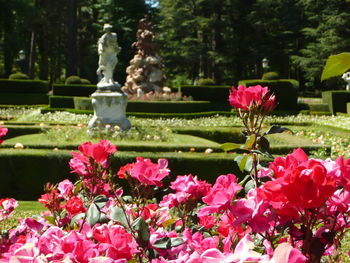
(3,132)
(252,98)
(66,188)
(149,173)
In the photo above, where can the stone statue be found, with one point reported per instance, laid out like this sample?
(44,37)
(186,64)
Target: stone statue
(108,49)
(346,77)
(109,101)
(145,73)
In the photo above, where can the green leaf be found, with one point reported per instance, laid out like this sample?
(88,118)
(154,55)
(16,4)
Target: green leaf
(241,161)
(78,186)
(117,214)
(263,144)
(336,65)
(228,146)
(93,214)
(249,185)
(175,241)
(100,201)
(76,218)
(250,142)
(142,229)
(276,129)
(167,243)
(50,219)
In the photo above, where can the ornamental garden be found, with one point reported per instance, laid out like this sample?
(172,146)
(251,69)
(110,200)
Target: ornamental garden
(257,170)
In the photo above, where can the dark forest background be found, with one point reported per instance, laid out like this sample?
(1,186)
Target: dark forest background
(225,40)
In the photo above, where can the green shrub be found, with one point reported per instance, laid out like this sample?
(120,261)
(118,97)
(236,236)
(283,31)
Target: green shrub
(61,102)
(73,90)
(85,81)
(81,103)
(73,80)
(17,130)
(18,75)
(23,98)
(23,173)
(206,82)
(336,100)
(270,76)
(284,89)
(23,86)
(209,93)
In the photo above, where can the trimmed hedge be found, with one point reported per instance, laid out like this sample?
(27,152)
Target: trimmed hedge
(23,173)
(336,100)
(82,90)
(61,102)
(150,115)
(16,130)
(23,86)
(81,103)
(209,93)
(24,98)
(285,90)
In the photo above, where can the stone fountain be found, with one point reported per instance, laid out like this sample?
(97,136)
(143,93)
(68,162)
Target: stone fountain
(109,101)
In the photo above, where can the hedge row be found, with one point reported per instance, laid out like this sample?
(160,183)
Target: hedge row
(148,114)
(61,102)
(285,90)
(336,100)
(23,86)
(24,98)
(209,93)
(83,103)
(16,130)
(73,90)
(23,173)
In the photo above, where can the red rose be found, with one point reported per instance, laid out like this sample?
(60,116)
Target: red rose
(75,205)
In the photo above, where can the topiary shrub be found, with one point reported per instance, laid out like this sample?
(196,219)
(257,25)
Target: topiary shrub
(80,90)
(336,100)
(73,80)
(206,82)
(85,81)
(18,75)
(270,76)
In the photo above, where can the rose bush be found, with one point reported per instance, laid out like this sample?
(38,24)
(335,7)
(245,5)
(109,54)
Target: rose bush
(296,212)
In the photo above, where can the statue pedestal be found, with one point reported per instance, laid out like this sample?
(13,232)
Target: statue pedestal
(109,108)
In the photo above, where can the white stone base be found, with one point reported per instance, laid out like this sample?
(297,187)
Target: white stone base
(109,108)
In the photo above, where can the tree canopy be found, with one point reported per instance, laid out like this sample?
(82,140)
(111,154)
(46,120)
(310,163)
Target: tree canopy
(225,40)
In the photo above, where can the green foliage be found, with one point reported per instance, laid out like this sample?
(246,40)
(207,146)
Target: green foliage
(24,98)
(24,172)
(61,102)
(206,82)
(270,76)
(207,93)
(336,65)
(336,100)
(79,90)
(324,33)
(18,75)
(85,81)
(73,80)
(23,86)
(81,103)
